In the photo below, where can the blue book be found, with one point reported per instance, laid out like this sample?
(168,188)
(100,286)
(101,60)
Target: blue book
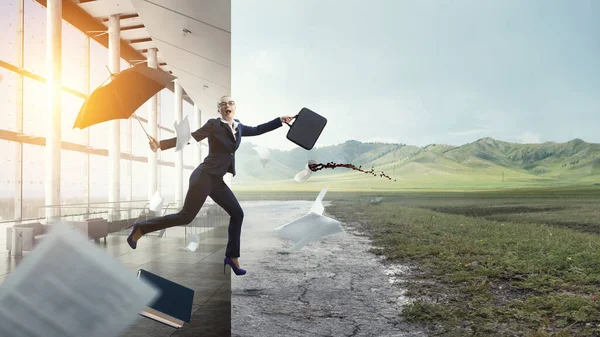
(174,305)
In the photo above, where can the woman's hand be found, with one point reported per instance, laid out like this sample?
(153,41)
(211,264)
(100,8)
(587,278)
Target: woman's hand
(154,144)
(286,119)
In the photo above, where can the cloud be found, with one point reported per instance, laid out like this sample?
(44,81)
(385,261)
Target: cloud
(528,138)
(383,140)
(469,132)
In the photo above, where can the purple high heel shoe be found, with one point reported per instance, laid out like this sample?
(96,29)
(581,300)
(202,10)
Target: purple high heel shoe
(132,244)
(236,270)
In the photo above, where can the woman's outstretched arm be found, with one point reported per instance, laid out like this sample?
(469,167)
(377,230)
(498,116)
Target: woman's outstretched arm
(265,127)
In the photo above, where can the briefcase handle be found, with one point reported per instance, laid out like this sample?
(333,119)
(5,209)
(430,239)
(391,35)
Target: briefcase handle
(290,125)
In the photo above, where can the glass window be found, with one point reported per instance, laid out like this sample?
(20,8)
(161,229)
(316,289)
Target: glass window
(35,37)
(73,56)
(9,17)
(70,108)
(98,178)
(125,181)
(189,154)
(167,155)
(140,180)
(33,181)
(125,132)
(186,181)
(8,96)
(73,177)
(139,142)
(8,172)
(167,183)
(100,135)
(167,106)
(34,107)
(188,110)
(98,64)
(142,112)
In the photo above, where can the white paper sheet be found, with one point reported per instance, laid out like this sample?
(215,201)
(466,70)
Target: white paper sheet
(317,207)
(193,241)
(311,226)
(68,287)
(182,130)
(156,203)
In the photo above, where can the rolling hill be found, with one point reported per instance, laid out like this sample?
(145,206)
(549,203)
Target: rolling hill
(486,163)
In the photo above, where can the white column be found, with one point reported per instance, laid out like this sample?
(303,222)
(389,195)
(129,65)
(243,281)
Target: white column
(19,113)
(198,125)
(53,125)
(86,131)
(129,162)
(114,150)
(179,155)
(159,133)
(152,131)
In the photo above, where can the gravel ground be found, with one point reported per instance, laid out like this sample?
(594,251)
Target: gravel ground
(332,287)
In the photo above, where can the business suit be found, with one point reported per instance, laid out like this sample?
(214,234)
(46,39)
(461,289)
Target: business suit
(207,179)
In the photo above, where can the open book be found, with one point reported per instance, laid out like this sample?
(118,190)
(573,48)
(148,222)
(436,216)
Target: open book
(69,287)
(174,306)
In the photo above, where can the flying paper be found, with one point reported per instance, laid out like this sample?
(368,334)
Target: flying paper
(183,133)
(263,155)
(304,174)
(193,242)
(310,226)
(69,287)
(156,203)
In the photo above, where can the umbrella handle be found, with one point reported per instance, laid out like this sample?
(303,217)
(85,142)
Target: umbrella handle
(142,125)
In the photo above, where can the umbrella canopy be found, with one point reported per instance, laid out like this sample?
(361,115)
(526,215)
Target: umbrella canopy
(122,95)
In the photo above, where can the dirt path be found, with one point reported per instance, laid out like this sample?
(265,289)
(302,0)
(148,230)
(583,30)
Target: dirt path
(333,287)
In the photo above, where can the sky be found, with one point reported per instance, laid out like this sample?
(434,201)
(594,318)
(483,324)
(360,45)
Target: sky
(420,72)
(412,72)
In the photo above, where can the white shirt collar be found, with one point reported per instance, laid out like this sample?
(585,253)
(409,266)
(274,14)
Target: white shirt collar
(234,126)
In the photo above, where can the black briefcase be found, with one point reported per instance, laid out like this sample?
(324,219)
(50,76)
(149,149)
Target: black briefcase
(306,129)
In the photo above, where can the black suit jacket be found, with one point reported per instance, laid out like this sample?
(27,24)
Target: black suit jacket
(222,144)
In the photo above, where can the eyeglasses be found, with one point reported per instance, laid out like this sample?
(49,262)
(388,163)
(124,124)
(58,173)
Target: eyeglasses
(223,104)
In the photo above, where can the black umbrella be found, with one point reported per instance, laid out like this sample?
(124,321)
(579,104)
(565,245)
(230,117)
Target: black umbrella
(124,93)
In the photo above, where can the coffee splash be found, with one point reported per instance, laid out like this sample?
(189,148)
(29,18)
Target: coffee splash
(332,165)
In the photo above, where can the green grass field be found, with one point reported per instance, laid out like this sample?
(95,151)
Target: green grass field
(418,176)
(521,262)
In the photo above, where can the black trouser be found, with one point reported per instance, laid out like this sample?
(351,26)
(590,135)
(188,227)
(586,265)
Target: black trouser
(202,185)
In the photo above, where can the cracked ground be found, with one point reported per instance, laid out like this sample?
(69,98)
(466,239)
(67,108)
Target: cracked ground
(332,287)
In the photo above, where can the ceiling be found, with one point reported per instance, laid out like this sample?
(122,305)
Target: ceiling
(193,39)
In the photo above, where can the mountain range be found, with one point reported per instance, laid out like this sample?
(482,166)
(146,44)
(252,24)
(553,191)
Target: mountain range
(485,160)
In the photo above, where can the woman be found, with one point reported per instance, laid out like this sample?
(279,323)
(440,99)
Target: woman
(224,135)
